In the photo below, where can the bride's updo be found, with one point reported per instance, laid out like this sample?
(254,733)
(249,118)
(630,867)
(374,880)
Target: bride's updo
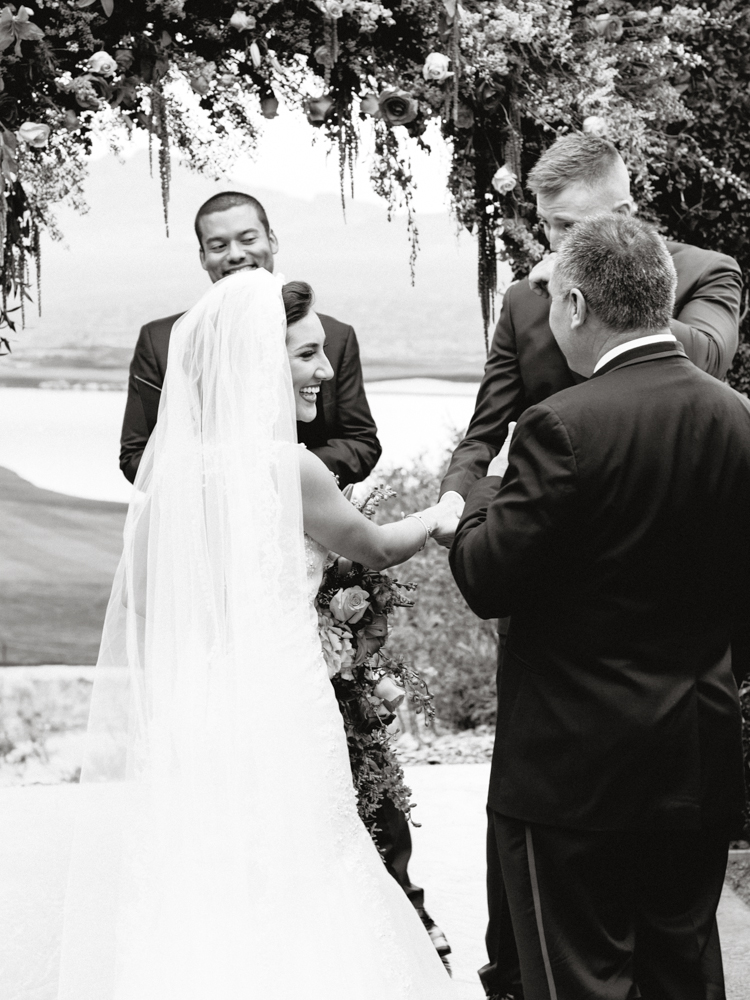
(298,299)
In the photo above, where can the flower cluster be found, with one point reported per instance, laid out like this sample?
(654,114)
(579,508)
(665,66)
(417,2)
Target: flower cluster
(354,605)
(500,78)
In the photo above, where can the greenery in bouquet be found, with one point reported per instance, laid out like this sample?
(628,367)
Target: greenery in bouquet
(354,606)
(498,79)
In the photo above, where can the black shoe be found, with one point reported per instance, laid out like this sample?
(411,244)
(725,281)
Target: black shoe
(505,996)
(437,937)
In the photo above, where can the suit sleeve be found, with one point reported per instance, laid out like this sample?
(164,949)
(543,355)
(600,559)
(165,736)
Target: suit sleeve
(500,400)
(510,525)
(134,434)
(707,326)
(353,450)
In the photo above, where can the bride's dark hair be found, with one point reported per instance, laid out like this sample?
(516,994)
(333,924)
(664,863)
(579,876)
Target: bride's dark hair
(298,299)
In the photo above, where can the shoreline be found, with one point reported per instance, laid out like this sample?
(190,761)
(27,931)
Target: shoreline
(68,440)
(101,380)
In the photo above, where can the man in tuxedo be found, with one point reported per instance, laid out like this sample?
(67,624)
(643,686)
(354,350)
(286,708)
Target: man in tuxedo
(578,176)
(233,234)
(618,541)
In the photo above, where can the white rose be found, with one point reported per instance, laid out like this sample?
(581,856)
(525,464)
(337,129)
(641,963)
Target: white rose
(349,605)
(594,125)
(34,134)
(333,8)
(436,67)
(504,180)
(242,21)
(102,64)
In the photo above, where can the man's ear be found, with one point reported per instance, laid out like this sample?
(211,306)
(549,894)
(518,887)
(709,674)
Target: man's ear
(626,207)
(202,256)
(272,241)
(578,308)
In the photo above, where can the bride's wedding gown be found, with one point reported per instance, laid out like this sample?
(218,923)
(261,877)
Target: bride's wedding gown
(220,855)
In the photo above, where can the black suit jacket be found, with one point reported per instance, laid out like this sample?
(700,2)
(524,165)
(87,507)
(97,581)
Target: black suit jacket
(619,543)
(343,433)
(525,365)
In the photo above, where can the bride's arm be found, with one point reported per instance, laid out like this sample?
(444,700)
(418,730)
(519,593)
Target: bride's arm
(335,523)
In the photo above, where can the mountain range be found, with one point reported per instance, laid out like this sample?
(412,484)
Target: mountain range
(115,269)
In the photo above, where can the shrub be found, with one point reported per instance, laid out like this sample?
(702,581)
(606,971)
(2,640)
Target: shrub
(738,375)
(454,650)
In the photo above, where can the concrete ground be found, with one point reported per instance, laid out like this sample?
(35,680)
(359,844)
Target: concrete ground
(36,823)
(448,862)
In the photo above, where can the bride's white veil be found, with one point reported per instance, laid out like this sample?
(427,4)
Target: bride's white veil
(209,598)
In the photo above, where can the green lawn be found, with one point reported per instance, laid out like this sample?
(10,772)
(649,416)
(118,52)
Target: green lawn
(58,555)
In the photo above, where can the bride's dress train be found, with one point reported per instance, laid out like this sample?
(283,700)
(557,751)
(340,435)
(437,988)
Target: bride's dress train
(219,854)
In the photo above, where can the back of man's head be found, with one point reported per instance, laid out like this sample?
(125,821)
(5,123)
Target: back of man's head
(622,268)
(577,158)
(229,199)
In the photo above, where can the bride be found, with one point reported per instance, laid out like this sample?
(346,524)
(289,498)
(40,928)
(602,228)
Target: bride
(219,854)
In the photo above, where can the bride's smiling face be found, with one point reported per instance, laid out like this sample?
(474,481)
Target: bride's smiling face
(305,341)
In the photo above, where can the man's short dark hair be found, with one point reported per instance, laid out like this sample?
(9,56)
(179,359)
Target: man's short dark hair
(298,299)
(575,158)
(622,268)
(229,199)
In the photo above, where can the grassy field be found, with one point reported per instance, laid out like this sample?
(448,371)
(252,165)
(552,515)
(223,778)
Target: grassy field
(58,555)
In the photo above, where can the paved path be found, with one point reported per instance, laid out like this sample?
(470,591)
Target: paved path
(35,827)
(449,864)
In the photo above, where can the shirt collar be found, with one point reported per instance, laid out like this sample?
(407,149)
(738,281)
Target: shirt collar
(653,338)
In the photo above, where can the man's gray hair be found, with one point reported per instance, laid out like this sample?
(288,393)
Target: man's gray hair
(575,158)
(623,269)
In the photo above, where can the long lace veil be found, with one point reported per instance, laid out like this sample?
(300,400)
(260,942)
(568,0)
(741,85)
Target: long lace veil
(209,598)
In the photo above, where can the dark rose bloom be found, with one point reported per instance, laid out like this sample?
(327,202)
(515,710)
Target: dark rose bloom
(316,109)
(489,97)
(398,107)
(269,106)
(371,638)
(124,59)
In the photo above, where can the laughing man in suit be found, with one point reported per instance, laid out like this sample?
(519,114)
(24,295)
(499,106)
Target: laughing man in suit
(619,543)
(233,234)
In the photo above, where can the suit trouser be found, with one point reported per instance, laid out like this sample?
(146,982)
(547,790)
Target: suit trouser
(614,915)
(394,840)
(502,974)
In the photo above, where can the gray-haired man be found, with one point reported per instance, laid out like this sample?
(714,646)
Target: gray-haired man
(619,543)
(578,176)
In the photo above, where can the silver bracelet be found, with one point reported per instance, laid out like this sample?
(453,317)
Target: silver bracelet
(427,531)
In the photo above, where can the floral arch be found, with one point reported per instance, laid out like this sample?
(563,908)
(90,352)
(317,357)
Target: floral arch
(501,78)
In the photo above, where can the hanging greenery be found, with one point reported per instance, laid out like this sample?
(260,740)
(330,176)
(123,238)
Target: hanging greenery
(499,79)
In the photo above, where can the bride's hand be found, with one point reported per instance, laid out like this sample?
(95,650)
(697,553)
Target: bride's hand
(442,521)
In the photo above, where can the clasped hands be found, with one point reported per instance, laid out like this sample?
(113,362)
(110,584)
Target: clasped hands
(451,504)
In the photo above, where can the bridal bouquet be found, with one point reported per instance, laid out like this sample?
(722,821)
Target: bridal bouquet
(354,605)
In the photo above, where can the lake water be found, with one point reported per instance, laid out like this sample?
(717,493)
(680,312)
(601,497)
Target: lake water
(68,441)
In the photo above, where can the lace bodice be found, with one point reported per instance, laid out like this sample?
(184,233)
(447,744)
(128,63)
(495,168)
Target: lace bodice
(315,560)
